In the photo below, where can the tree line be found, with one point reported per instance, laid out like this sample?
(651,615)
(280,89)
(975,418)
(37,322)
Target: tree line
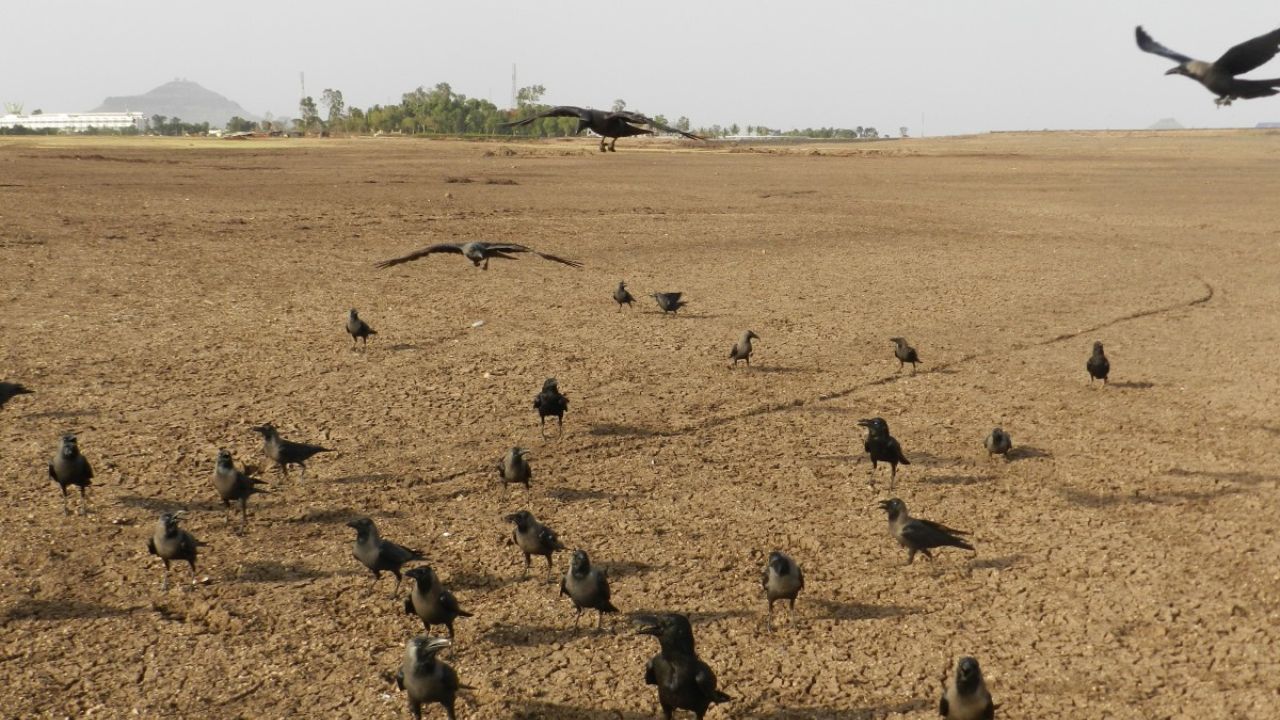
(441,111)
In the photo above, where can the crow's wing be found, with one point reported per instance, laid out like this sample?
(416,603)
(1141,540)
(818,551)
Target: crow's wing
(1249,54)
(514,248)
(558,111)
(634,118)
(1147,44)
(440,248)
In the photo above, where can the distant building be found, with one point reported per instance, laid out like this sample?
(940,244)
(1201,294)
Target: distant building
(1269,125)
(76,122)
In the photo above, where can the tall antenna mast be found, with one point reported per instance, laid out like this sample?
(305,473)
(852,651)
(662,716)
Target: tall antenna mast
(514,91)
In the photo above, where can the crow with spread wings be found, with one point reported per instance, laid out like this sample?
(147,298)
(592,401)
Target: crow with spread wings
(479,253)
(608,125)
(1219,76)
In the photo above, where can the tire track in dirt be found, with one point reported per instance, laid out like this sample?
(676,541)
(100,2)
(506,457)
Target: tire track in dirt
(1205,297)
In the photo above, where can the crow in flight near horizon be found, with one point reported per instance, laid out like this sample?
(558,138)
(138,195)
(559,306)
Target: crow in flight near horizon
(609,125)
(479,253)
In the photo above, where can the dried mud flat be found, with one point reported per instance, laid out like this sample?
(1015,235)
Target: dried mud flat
(162,297)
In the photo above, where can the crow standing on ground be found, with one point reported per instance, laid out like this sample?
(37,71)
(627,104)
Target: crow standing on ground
(782,580)
(69,467)
(622,296)
(514,467)
(965,697)
(550,403)
(918,535)
(684,681)
(608,125)
(999,443)
(479,253)
(533,538)
(170,542)
(1219,76)
(742,349)
(905,353)
(235,485)
(431,602)
(587,587)
(358,328)
(670,302)
(286,452)
(378,554)
(1098,365)
(882,447)
(9,390)
(426,679)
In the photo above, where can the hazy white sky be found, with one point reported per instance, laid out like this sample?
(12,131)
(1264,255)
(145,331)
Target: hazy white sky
(965,66)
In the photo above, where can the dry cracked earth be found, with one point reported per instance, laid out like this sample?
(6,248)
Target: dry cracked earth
(162,297)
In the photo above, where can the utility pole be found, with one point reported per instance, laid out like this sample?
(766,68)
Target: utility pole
(514,91)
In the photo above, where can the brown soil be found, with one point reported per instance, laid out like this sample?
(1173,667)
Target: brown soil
(1127,556)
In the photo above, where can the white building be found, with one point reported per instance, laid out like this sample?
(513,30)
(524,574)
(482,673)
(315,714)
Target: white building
(76,122)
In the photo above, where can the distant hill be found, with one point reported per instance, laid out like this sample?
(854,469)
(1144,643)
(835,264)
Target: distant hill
(181,99)
(1167,124)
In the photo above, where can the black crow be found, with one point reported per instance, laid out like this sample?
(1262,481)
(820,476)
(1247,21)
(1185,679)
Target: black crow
(782,580)
(918,535)
(1219,76)
(550,403)
(965,696)
(479,253)
(514,467)
(670,302)
(358,329)
(9,390)
(1098,365)
(684,681)
(426,679)
(170,542)
(286,452)
(587,587)
(69,467)
(533,538)
(622,296)
(606,124)
(882,447)
(905,353)
(431,602)
(742,349)
(378,554)
(999,443)
(235,485)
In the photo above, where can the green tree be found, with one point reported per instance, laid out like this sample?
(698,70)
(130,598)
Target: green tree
(238,124)
(333,102)
(734,129)
(682,124)
(619,105)
(156,123)
(529,95)
(309,117)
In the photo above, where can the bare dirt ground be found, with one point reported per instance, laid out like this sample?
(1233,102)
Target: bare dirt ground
(164,296)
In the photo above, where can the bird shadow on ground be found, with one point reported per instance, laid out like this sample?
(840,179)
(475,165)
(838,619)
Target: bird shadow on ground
(163,505)
(837,610)
(997,563)
(534,710)
(338,514)
(1239,476)
(1132,385)
(484,581)
(371,477)
(1085,498)
(827,713)
(271,571)
(620,430)
(59,414)
(402,347)
(777,369)
(531,635)
(61,610)
(1027,452)
(957,479)
(564,494)
(623,569)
